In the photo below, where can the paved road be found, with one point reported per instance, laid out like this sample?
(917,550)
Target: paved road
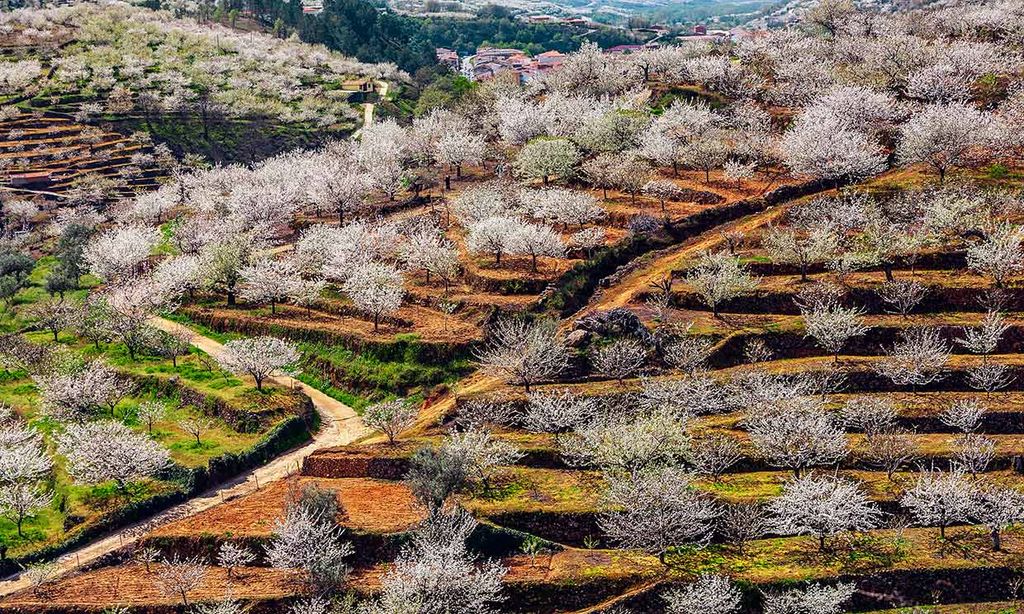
(340,425)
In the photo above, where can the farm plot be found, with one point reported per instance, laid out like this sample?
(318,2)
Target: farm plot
(45,152)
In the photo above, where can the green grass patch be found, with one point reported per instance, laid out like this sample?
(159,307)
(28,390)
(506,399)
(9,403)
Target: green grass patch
(34,291)
(347,397)
(402,368)
(202,329)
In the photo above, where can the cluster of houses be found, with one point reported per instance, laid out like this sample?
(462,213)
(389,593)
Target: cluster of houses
(312,7)
(489,62)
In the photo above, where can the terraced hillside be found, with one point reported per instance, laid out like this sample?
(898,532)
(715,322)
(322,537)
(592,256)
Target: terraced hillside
(545,514)
(725,329)
(51,152)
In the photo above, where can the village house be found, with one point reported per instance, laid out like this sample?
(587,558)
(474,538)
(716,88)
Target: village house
(490,62)
(448,58)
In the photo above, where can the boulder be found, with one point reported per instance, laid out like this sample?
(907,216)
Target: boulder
(613,323)
(577,338)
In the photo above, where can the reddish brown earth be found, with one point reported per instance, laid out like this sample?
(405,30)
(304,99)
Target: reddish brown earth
(368,505)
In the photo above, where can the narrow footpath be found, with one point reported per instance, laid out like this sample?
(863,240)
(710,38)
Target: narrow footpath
(340,425)
(370,109)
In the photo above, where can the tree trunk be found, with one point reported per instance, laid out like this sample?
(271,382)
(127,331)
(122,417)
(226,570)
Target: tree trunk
(997,544)
(821,542)
(534,262)
(661,557)
(231,298)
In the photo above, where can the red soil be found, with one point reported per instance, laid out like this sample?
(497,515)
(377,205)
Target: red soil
(372,506)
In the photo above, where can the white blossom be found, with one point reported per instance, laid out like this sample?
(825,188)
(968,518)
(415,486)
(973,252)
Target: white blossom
(823,506)
(546,158)
(391,417)
(946,136)
(917,358)
(940,499)
(180,576)
(832,325)
(523,353)
(307,539)
(709,594)
(257,356)
(554,412)
(999,255)
(718,277)
(817,598)
(630,445)
(268,280)
(102,451)
(656,512)
(620,359)
(437,573)
(797,434)
(376,289)
(120,252)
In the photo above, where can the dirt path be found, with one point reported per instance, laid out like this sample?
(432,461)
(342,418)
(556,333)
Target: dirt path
(370,109)
(622,293)
(340,425)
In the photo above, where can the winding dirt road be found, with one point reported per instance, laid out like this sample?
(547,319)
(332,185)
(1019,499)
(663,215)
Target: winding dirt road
(340,425)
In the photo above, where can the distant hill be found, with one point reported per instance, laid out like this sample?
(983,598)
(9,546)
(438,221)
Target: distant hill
(620,12)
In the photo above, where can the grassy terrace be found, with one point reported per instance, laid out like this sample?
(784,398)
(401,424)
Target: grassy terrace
(195,388)
(406,366)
